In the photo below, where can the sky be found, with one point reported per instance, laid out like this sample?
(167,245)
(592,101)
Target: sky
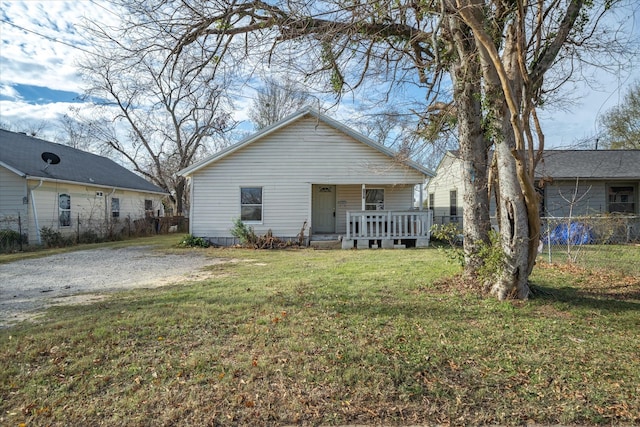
(40,42)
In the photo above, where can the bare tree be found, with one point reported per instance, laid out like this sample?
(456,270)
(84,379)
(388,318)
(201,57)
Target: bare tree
(156,119)
(74,133)
(34,128)
(276,100)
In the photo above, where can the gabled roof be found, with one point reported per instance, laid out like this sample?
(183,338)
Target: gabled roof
(21,154)
(586,164)
(590,164)
(308,111)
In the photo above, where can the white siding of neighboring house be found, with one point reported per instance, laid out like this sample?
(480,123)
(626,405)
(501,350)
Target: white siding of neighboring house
(13,190)
(448,177)
(93,210)
(285,164)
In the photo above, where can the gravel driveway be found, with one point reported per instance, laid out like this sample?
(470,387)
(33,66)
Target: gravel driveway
(29,286)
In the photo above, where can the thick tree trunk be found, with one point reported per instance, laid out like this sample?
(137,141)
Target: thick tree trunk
(512,281)
(180,195)
(465,74)
(513,195)
(473,153)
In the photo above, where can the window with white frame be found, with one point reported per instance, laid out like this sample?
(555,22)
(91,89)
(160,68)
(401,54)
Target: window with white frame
(64,210)
(432,200)
(251,204)
(453,203)
(115,207)
(622,199)
(374,199)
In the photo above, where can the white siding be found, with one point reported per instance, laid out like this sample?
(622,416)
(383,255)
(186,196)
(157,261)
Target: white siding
(13,190)
(448,177)
(92,209)
(285,164)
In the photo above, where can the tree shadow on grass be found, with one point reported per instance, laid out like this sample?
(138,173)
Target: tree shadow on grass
(581,298)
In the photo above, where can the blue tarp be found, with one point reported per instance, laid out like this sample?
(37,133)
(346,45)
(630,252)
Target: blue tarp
(575,233)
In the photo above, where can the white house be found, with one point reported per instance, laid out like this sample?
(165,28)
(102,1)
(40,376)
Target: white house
(309,169)
(44,184)
(580,182)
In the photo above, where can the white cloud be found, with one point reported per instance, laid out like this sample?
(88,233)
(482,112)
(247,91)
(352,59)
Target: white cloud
(38,42)
(9,91)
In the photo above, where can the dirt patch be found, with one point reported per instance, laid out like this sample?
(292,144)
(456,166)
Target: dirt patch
(29,286)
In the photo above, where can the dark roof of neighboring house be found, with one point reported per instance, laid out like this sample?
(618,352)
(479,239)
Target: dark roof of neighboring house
(307,111)
(590,164)
(587,164)
(22,154)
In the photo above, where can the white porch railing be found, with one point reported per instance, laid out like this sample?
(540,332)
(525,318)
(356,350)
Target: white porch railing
(388,224)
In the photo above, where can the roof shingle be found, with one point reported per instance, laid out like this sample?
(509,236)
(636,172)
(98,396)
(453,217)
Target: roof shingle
(22,154)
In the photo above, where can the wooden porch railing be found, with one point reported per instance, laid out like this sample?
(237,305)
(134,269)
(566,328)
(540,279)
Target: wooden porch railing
(388,224)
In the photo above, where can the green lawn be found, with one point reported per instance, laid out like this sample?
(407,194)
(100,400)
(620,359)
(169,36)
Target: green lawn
(316,337)
(621,258)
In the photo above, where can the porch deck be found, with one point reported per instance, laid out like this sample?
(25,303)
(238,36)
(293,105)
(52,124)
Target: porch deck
(370,228)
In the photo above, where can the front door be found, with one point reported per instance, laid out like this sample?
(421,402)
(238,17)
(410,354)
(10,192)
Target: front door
(324,209)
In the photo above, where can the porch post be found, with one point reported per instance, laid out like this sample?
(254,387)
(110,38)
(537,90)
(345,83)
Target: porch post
(364,196)
(421,197)
(348,225)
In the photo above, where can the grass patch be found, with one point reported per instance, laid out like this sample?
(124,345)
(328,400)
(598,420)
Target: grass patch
(330,337)
(621,258)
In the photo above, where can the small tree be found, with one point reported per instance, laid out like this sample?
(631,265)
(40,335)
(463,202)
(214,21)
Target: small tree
(621,124)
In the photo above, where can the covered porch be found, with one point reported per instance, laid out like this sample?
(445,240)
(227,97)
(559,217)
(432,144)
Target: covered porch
(369,216)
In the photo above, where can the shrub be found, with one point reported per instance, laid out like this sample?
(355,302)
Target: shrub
(191,241)
(10,239)
(493,258)
(242,232)
(54,239)
(89,236)
(447,233)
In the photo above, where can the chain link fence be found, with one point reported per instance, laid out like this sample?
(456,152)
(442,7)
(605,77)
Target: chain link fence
(14,235)
(610,242)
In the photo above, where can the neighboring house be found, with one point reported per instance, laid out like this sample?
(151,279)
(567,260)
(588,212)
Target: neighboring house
(445,190)
(309,170)
(570,182)
(67,190)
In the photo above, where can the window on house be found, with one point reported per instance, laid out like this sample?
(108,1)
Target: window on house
(622,199)
(251,204)
(432,200)
(148,207)
(453,203)
(374,199)
(115,207)
(64,210)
